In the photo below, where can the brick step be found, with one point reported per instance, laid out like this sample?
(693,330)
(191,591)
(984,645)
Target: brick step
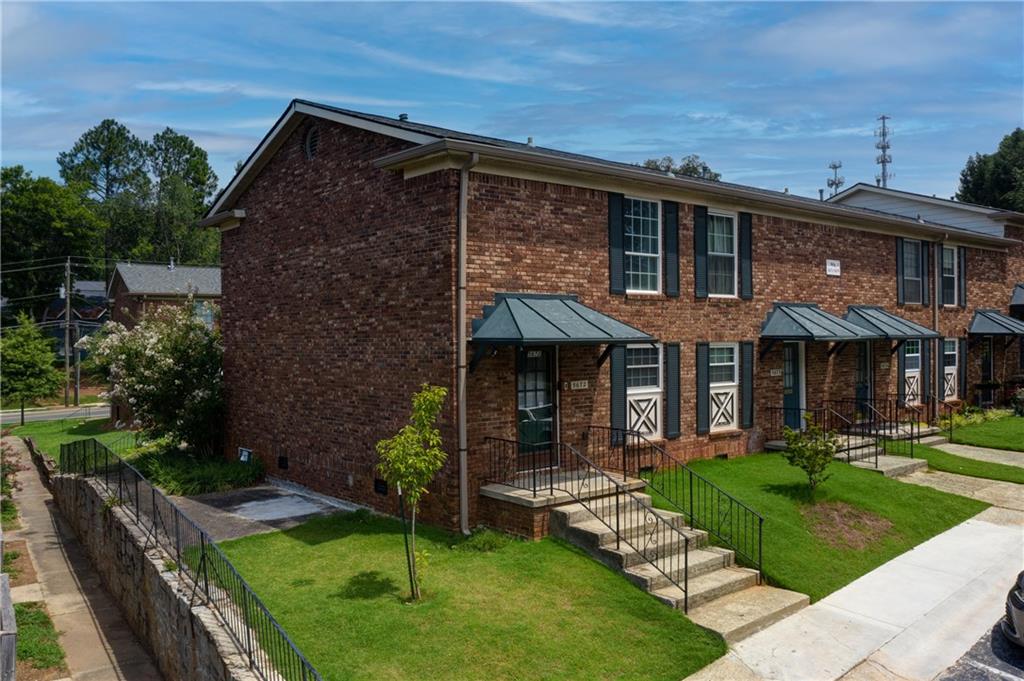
(739,614)
(707,588)
(674,566)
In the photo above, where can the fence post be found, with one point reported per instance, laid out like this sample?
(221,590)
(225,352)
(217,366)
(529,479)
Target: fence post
(177,537)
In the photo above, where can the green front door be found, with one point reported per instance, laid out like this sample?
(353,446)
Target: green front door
(536,405)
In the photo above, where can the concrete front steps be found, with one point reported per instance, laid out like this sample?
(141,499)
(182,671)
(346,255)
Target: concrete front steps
(723,596)
(892,466)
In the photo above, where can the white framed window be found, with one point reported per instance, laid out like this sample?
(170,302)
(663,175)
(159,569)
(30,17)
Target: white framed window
(204,310)
(949,275)
(912,371)
(950,363)
(642,245)
(722,261)
(643,389)
(912,274)
(723,385)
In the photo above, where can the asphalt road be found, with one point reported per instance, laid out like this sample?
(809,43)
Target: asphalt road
(85,412)
(993,658)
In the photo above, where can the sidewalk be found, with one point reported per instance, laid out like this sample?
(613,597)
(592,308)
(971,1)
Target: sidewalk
(99,644)
(909,619)
(1004,456)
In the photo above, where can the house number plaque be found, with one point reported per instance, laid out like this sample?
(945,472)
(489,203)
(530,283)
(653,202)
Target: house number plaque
(579,385)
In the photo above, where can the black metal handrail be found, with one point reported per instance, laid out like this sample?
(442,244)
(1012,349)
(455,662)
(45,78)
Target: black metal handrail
(704,504)
(775,423)
(558,466)
(270,653)
(950,413)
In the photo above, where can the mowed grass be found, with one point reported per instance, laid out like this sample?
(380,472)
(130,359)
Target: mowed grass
(939,460)
(537,610)
(50,435)
(38,645)
(803,553)
(1004,433)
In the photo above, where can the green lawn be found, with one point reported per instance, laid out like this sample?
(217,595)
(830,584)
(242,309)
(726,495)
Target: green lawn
(860,519)
(939,460)
(538,610)
(1005,433)
(49,435)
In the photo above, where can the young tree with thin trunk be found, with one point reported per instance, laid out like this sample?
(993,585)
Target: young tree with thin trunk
(411,458)
(26,361)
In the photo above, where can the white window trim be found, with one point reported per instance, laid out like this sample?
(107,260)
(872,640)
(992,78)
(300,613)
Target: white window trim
(723,386)
(956,276)
(661,248)
(650,390)
(735,255)
(954,369)
(912,354)
(920,272)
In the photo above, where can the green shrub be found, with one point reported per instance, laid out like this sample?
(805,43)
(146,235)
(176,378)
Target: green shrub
(484,541)
(971,415)
(811,450)
(179,472)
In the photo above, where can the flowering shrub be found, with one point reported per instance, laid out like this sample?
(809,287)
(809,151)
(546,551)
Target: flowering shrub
(168,369)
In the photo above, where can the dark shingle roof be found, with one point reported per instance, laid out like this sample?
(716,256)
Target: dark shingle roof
(162,280)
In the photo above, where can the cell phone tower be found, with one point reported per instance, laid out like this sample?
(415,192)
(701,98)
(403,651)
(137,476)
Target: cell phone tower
(883,145)
(836,181)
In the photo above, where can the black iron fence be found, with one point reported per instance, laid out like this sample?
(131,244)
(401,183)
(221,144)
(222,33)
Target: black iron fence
(271,654)
(704,504)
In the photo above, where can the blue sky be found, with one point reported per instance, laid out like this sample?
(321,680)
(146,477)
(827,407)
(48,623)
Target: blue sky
(767,93)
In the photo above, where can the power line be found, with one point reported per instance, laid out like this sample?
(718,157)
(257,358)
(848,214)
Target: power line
(37,267)
(61,258)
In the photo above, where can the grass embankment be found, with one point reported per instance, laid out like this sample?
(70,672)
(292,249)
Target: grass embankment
(1003,433)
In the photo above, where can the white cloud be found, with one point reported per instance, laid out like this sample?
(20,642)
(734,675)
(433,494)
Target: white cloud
(491,70)
(20,103)
(253,91)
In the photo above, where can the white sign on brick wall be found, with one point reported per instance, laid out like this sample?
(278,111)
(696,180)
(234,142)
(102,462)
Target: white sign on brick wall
(579,385)
(832,268)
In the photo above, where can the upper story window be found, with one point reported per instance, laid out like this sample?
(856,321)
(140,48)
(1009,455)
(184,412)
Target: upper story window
(642,245)
(949,275)
(721,254)
(912,271)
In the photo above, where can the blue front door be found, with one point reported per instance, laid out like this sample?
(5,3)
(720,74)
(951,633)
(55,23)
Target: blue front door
(535,392)
(863,377)
(791,384)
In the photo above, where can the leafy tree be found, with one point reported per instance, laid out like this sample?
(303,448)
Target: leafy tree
(410,459)
(996,179)
(168,369)
(28,371)
(42,219)
(811,450)
(691,166)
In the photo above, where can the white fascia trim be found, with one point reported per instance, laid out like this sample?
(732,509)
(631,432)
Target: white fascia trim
(272,142)
(911,196)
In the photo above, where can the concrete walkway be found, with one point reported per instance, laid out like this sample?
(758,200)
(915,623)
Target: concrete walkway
(996,492)
(909,619)
(99,644)
(1004,456)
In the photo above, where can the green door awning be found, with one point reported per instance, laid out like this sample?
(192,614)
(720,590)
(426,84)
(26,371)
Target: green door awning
(542,319)
(885,324)
(808,322)
(994,323)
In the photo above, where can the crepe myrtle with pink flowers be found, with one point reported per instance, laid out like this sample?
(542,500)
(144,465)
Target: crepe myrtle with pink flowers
(169,370)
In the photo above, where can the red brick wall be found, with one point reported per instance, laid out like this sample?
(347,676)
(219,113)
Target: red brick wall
(338,304)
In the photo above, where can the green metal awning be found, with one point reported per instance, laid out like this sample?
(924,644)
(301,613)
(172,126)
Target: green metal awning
(1017,299)
(994,323)
(808,322)
(541,319)
(885,324)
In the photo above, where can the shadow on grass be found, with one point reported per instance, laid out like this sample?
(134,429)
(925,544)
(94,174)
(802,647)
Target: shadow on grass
(362,523)
(797,491)
(367,585)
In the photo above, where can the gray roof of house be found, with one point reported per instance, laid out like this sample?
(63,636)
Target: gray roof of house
(1017,299)
(162,280)
(995,323)
(806,321)
(885,324)
(539,319)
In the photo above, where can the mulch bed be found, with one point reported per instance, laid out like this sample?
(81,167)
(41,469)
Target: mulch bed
(843,526)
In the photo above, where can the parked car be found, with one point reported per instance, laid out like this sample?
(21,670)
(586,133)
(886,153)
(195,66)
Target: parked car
(1013,624)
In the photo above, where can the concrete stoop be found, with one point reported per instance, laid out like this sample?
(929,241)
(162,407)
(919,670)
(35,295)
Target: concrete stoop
(892,466)
(722,596)
(933,440)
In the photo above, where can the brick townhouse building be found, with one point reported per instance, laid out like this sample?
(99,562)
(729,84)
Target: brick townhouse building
(555,294)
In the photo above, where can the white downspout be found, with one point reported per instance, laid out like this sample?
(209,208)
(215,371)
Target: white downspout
(461,342)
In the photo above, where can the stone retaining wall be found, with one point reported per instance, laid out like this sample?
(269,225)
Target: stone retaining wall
(188,642)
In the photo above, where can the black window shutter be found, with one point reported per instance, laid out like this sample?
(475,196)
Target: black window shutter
(703,391)
(672,429)
(961,365)
(618,375)
(700,251)
(899,271)
(616,261)
(670,213)
(901,384)
(926,370)
(746,253)
(962,276)
(747,384)
(925,277)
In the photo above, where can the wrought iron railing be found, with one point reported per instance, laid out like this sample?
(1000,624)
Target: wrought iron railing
(704,504)
(558,467)
(270,653)
(777,419)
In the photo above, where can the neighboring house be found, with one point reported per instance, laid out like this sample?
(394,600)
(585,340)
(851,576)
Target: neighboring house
(556,294)
(89,310)
(136,289)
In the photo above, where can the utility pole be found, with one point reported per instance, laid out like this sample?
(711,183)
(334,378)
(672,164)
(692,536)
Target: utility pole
(78,363)
(67,332)
(836,181)
(883,145)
